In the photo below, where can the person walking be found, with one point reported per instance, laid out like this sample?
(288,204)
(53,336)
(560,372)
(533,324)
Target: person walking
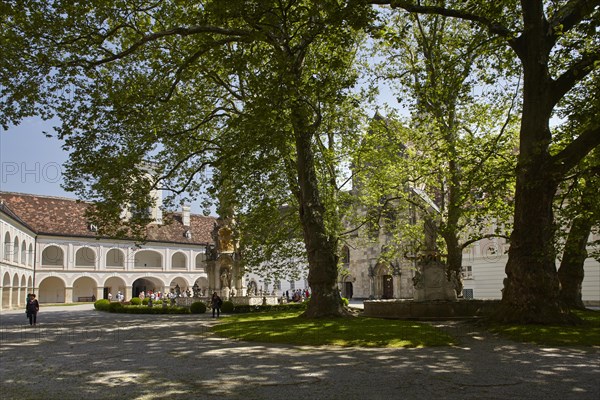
(216,303)
(33,306)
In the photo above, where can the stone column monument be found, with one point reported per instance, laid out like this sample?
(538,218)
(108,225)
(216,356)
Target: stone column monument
(227,268)
(431,282)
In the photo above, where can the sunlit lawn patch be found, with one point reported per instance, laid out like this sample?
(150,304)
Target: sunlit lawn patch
(587,334)
(288,327)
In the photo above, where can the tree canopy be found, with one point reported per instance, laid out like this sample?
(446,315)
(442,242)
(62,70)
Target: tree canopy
(258,91)
(557,45)
(458,145)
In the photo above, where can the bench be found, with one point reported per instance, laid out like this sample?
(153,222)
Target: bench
(84,299)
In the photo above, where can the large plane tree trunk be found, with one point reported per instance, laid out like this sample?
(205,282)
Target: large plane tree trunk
(530,293)
(571,272)
(454,260)
(321,246)
(450,231)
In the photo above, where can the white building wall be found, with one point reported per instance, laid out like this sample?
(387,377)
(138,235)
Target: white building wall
(20,270)
(69,273)
(488,277)
(590,288)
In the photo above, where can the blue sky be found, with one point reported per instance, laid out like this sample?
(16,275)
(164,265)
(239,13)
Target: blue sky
(32,163)
(29,161)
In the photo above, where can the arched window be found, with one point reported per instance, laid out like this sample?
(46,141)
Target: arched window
(85,257)
(24,253)
(16,250)
(201,261)
(115,259)
(178,261)
(7,246)
(30,255)
(148,259)
(345,255)
(52,256)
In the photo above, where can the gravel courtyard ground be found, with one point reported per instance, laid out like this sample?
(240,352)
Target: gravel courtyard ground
(79,353)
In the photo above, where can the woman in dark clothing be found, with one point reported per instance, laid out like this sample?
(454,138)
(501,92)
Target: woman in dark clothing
(32,309)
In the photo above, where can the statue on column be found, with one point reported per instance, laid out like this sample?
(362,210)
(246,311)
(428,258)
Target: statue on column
(226,237)
(225,278)
(430,280)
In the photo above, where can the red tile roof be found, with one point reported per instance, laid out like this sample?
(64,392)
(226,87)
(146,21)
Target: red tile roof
(59,216)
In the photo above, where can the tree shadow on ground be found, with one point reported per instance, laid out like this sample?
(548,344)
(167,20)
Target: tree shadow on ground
(94,355)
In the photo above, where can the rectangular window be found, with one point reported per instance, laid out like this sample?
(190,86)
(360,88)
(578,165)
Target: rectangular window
(467,272)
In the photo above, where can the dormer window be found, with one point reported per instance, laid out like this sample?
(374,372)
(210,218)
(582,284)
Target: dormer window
(93,227)
(141,212)
(188,234)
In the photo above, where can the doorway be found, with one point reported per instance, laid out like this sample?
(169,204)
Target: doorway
(348,290)
(388,287)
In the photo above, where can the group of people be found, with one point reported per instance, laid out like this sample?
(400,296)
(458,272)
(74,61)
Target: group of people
(298,295)
(120,296)
(151,295)
(31,309)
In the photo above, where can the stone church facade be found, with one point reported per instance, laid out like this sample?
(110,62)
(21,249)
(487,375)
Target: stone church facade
(366,274)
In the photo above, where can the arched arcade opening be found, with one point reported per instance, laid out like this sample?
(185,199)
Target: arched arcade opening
(202,283)
(84,289)
(23,295)
(6,290)
(15,291)
(52,290)
(182,283)
(114,285)
(146,284)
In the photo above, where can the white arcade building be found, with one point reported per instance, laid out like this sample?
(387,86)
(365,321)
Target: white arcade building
(49,248)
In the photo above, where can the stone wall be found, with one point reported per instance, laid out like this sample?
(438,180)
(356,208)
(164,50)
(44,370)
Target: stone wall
(408,309)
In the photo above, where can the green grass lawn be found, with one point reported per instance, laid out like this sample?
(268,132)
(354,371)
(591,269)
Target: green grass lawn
(587,334)
(288,327)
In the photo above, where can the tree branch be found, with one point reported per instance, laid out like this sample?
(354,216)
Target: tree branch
(188,180)
(571,155)
(189,61)
(491,235)
(576,73)
(239,34)
(494,146)
(409,6)
(570,15)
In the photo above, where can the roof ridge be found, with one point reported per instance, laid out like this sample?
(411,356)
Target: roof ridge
(44,196)
(51,215)
(179,212)
(8,211)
